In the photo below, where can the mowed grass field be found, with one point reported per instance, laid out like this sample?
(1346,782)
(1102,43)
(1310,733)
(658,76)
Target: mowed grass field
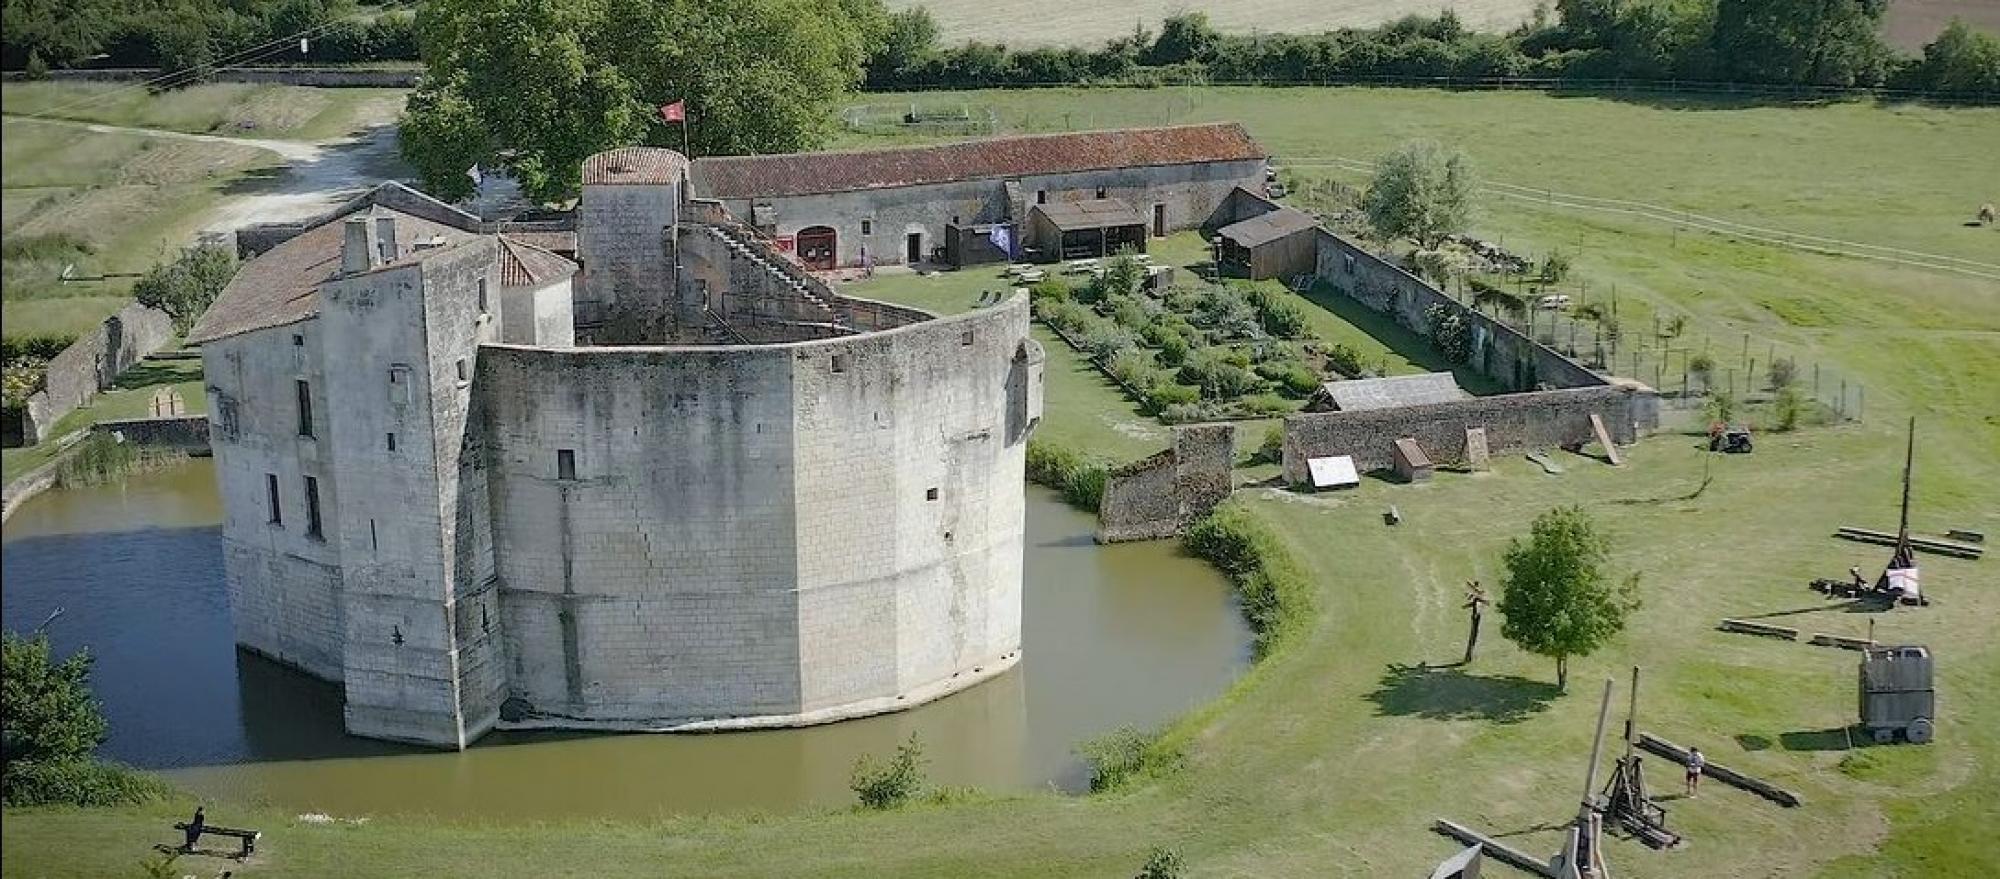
(1333,757)
(129,198)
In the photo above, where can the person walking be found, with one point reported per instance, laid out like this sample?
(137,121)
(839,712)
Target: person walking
(1475,601)
(1695,764)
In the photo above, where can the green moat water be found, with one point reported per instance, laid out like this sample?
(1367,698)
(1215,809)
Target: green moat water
(1132,634)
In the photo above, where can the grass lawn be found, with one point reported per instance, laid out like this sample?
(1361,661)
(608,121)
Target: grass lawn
(1333,756)
(1047,22)
(131,397)
(235,109)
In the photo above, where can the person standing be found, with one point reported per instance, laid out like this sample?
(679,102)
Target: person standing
(1475,601)
(1695,764)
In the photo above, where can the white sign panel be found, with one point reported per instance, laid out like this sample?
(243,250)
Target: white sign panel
(1333,472)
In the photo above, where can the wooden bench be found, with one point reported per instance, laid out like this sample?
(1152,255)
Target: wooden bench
(247,838)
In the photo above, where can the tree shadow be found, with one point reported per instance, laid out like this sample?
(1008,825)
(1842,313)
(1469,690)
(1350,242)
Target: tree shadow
(1749,742)
(1839,738)
(1445,693)
(150,373)
(1400,340)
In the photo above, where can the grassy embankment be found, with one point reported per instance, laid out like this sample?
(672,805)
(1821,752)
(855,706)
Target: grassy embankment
(1333,755)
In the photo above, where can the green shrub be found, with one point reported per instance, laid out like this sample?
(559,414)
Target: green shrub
(184,287)
(41,348)
(1344,360)
(1173,350)
(1051,290)
(1448,332)
(1272,449)
(84,781)
(1063,314)
(1163,863)
(1555,267)
(1122,755)
(1273,589)
(50,246)
(102,458)
(1295,379)
(1166,394)
(1784,372)
(1789,407)
(1722,406)
(893,783)
(1265,404)
(1134,367)
(1189,413)
(1128,312)
(1079,479)
(1106,340)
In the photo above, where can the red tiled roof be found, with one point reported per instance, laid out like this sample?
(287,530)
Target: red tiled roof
(281,285)
(634,165)
(989,159)
(525,265)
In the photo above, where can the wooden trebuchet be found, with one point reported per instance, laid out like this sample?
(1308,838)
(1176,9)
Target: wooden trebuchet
(1920,544)
(1494,848)
(1823,639)
(1721,773)
(1767,630)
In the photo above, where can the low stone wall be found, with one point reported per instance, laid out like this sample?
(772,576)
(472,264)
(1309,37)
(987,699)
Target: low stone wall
(1498,351)
(1163,495)
(188,433)
(1513,422)
(321,77)
(92,363)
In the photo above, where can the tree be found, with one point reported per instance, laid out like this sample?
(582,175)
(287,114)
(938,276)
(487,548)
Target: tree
(1557,598)
(184,287)
(1163,863)
(1184,37)
(49,713)
(909,39)
(536,86)
(1961,61)
(1806,42)
(1422,191)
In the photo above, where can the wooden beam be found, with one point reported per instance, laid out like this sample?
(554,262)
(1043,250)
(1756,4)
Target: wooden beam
(1721,773)
(1767,630)
(1920,544)
(1822,639)
(1498,850)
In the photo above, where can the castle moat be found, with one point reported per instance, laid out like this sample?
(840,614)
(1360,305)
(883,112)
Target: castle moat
(1131,634)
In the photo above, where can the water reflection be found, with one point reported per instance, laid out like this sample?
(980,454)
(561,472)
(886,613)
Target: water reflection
(1131,634)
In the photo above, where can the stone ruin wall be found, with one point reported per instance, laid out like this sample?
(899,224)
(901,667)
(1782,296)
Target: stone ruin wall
(1513,422)
(91,364)
(1161,496)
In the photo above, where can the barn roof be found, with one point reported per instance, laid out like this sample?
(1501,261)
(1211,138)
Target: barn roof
(525,265)
(1394,392)
(1095,213)
(281,285)
(987,159)
(1266,228)
(633,166)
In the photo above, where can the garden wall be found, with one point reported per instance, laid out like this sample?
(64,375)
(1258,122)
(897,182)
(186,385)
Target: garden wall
(1498,351)
(92,363)
(1162,495)
(1513,422)
(188,433)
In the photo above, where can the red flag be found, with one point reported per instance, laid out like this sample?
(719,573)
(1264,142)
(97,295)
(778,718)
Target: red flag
(674,112)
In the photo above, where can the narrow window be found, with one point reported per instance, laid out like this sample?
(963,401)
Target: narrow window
(566,464)
(1041,196)
(304,389)
(867,227)
(312,510)
(374,542)
(482,296)
(399,385)
(839,363)
(298,340)
(464,372)
(392,442)
(271,496)
(1347,263)
(1100,192)
(965,338)
(930,494)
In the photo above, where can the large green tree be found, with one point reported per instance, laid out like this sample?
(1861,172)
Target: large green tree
(1557,598)
(1808,42)
(535,86)
(1422,191)
(49,713)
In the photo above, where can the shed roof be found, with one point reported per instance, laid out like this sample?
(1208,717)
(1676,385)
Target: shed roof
(987,159)
(1394,391)
(281,285)
(525,265)
(1095,213)
(634,166)
(1266,228)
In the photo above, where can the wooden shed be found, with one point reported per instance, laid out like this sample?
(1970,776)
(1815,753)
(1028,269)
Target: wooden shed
(1276,244)
(1086,229)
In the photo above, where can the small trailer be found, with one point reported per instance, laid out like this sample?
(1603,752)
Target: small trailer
(1897,697)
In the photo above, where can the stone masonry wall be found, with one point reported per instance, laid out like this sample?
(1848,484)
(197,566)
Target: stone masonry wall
(1498,351)
(624,243)
(92,363)
(1513,422)
(1164,494)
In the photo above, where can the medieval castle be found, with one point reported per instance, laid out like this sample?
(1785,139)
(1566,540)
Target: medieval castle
(643,468)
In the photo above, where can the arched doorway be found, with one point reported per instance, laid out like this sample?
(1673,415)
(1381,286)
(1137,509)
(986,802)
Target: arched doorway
(817,247)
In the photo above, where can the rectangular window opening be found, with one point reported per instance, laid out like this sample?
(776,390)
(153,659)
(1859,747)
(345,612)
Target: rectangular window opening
(271,496)
(1101,192)
(839,363)
(298,340)
(304,389)
(566,464)
(867,227)
(965,338)
(482,296)
(374,542)
(1041,196)
(931,494)
(464,371)
(312,510)
(399,384)
(392,442)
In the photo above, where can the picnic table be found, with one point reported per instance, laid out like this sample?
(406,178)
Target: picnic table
(1018,269)
(1034,276)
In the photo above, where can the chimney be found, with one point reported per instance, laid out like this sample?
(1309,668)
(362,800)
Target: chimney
(357,252)
(385,237)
